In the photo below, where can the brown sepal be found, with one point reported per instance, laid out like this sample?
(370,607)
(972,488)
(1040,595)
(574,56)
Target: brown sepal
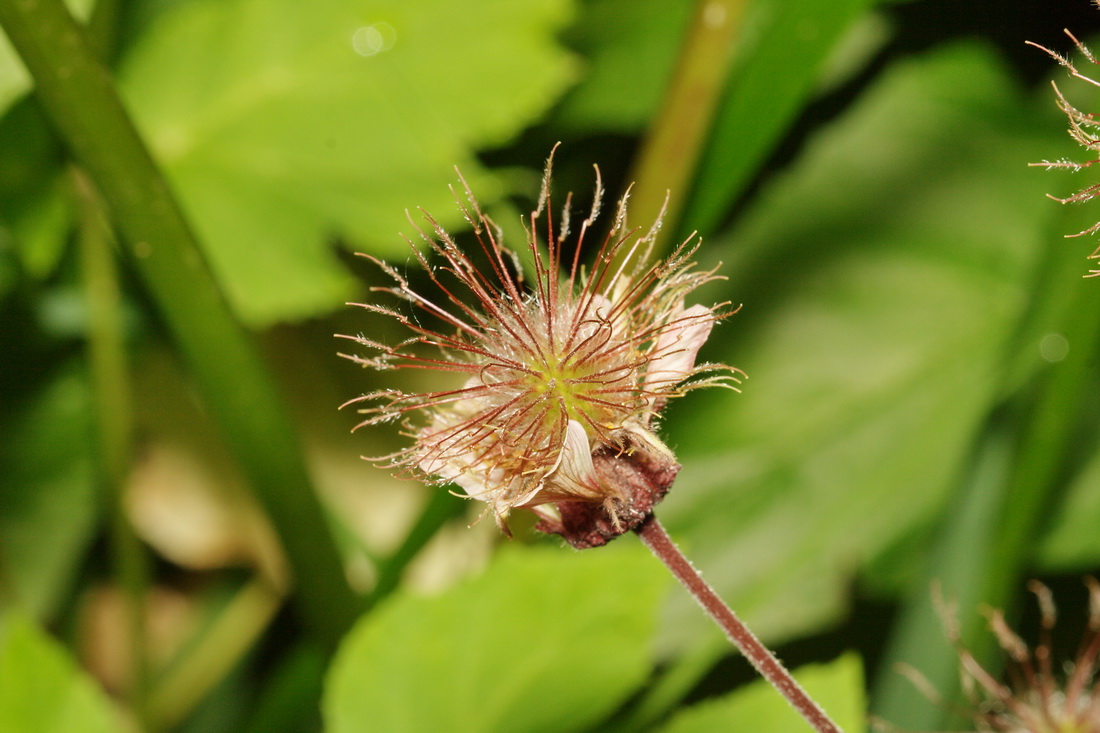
(641,475)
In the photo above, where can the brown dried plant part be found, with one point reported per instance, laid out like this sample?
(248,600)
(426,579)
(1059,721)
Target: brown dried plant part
(1036,696)
(549,392)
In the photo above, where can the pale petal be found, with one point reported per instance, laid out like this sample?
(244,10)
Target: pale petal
(677,347)
(575,474)
(476,483)
(594,317)
(600,306)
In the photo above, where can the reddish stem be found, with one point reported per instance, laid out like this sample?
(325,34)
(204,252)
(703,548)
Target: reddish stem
(770,668)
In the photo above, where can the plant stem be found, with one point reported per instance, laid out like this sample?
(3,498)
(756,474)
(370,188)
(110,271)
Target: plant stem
(777,69)
(441,507)
(219,648)
(669,156)
(79,97)
(110,374)
(657,540)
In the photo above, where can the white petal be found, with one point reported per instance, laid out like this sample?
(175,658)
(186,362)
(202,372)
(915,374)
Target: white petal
(600,307)
(677,347)
(480,486)
(476,484)
(575,473)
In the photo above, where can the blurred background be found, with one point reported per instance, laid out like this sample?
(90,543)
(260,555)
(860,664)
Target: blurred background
(189,539)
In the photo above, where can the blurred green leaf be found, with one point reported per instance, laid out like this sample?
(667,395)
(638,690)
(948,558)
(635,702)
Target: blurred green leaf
(786,45)
(837,687)
(33,205)
(545,640)
(882,278)
(48,497)
(44,691)
(1072,544)
(80,99)
(626,72)
(279,135)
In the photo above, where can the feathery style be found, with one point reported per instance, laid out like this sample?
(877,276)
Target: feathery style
(1084,128)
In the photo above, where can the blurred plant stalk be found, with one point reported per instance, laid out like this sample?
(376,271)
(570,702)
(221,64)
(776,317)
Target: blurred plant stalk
(669,156)
(79,98)
(114,425)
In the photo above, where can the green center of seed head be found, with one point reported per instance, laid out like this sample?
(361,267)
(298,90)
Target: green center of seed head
(562,382)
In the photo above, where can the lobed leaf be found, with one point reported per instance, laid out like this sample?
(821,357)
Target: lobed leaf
(280,136)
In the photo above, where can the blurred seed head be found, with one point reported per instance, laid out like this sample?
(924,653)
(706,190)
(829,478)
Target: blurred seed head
(1035,695)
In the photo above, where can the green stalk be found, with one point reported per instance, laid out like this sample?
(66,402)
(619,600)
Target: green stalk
(218,649)
(79,98)
(960,559)
(288,701)
(669,156)
(775,78)
(1048,437)
(441,507)
(110,376)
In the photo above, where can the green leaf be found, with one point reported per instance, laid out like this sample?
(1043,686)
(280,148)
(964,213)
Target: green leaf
(545,640)
(602,101)
(837,687)
(44,691)
(33,202)
(882,279)
(1071,545)
(791,42)
(80,99)
(48,498)
(332,125)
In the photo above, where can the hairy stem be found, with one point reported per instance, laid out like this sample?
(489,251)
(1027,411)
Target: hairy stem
(770,668)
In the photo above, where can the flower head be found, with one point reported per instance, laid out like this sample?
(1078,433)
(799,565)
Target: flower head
(549,393)
(1036,699)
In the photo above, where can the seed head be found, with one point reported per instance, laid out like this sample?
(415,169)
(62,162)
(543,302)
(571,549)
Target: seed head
(1036,698)
(548,395)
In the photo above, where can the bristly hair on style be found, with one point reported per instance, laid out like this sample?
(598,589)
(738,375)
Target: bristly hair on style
(549,392)
(1084,128)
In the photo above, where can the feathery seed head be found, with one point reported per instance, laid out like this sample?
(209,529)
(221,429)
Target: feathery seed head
(549,393)
(1037,698)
